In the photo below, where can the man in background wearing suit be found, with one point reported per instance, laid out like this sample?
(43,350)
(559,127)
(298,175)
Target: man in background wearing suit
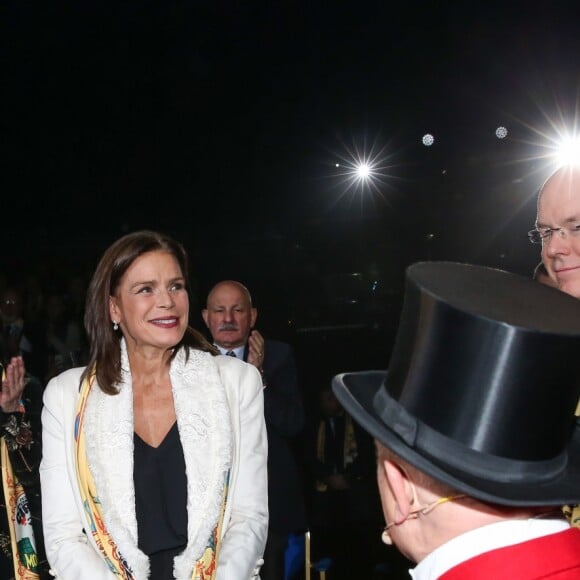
(230,318)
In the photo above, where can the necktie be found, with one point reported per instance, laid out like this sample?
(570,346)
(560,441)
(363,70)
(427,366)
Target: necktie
(231,353)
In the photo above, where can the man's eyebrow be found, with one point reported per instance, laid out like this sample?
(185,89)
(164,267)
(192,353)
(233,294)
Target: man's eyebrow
(570,220)
(573,219)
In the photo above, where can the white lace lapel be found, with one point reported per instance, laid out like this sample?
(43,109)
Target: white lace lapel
(204,423)
(109,446)
(204,426)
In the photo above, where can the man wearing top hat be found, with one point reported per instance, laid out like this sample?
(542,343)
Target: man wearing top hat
(477,442)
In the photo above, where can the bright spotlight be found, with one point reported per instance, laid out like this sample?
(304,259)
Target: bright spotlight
(568,151)
(428,140)
(363,170)
(552,141)
(501,132)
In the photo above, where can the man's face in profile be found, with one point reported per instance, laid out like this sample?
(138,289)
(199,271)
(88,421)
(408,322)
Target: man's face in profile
(559,213)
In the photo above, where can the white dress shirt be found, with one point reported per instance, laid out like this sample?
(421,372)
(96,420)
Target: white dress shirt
(238,350)
(481,540)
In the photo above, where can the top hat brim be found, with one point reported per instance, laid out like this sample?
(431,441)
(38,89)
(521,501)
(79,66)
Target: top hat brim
(358,392)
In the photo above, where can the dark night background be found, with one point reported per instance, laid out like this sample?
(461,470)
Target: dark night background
(222,122)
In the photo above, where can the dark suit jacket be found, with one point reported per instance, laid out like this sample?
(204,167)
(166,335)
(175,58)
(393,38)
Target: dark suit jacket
(284,415)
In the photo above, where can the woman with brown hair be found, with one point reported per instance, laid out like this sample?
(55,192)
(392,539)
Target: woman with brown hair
(154,454)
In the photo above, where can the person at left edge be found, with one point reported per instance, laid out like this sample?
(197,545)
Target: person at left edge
(154,454)
(21,544)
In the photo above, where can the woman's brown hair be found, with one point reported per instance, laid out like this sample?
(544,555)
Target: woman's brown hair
(104,341)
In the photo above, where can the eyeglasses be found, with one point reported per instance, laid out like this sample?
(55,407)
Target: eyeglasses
(9,302)
(539,235)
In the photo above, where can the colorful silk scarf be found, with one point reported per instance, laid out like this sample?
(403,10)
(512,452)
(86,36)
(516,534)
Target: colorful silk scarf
(204,569)
(24,554)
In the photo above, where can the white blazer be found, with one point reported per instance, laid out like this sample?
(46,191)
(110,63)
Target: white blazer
(220,419)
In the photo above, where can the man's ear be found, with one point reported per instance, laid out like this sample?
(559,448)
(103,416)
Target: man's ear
(402,489)
(204,314)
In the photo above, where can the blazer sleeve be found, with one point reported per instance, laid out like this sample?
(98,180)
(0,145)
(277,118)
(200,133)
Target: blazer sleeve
(70,553)
(284,410)
(246,522)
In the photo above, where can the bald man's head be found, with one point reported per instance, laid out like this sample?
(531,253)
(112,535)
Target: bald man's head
(229,285)
(229,314)
(563,180)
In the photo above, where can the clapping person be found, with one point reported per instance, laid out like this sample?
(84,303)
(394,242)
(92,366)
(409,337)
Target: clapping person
(231,317)
(21,545)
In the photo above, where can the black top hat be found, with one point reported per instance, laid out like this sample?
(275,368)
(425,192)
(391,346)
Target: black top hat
(482,385)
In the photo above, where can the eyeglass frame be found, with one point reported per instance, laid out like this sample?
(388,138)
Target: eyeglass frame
(539,235)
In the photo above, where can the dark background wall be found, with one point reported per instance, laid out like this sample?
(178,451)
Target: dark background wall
(223,123)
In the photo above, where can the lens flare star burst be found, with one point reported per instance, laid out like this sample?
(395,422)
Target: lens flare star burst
(363,174)
(553,143)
